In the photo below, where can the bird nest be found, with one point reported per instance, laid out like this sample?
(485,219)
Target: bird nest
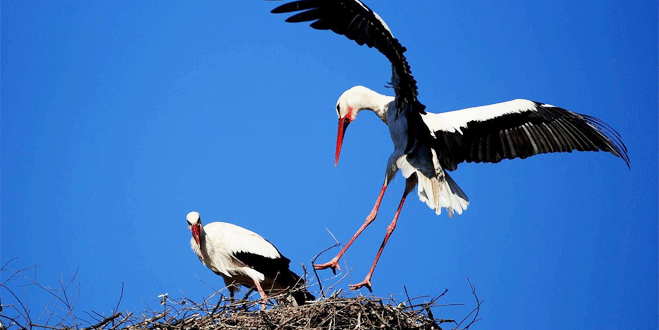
(336,312)
(219,312)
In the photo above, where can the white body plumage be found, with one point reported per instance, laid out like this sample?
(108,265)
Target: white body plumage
(243,257)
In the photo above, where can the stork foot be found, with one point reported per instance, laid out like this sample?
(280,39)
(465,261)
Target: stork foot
(365,283)
(334,264)
(264,301)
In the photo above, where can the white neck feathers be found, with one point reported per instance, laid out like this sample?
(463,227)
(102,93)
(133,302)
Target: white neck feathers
(361,98)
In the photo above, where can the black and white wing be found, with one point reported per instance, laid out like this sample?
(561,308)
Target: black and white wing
(516,129)
(357,22)
(248,247)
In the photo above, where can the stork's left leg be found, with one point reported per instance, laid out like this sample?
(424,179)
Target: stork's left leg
(410,183)
(264,297)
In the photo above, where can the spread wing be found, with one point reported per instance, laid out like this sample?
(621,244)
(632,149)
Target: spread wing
(516,129)
(357,22)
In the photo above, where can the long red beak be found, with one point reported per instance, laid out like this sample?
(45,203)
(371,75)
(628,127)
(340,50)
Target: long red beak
(196,230)
(343,125)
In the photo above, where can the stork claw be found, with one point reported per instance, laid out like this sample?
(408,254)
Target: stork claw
(366,282)
(334,264)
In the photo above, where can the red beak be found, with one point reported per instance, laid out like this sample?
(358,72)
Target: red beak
(196,229)
(343,125)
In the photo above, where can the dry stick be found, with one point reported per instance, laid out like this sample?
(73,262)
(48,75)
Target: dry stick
(193,303)
(50,316)
(57,297)
(7,263)
(408,296)
(433,303)
(27,313)
(475,310)
(313,264)
(345,262)
(339,281)
(207,299)
(122,321)
(153,318)
(121,296)
(267,321)
(218,305)
(11,319)
(305,282)
(208,285)
(104,322)
(15,272)
(98,316)
(48,327)
(69,306)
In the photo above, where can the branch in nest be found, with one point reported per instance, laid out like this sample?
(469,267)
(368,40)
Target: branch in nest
(103,322)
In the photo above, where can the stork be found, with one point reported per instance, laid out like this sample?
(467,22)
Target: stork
(427,145)
(242,257)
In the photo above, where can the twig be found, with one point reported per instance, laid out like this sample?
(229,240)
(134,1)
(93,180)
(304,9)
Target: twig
(218,305)
(408,296)
(103,323)
(313,264)
(47,327)
(13,320)
(122,321)
(475,311)
(121,296)
(266,320)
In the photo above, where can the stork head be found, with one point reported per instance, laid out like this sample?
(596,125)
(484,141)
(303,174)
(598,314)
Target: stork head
(352,102)
(347,107)
(194,224)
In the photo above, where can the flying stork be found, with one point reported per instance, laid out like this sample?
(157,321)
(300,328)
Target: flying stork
(242,257)
(427,145)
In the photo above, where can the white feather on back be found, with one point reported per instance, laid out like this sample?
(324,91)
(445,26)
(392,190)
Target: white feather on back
(238,239)
(452,121)
(222,240)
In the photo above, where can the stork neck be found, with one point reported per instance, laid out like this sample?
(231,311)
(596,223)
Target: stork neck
(203,246)
(377,103)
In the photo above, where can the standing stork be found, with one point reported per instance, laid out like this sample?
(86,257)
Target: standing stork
(426,144)
(242,257)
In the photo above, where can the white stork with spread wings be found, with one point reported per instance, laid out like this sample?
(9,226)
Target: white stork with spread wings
(427,145)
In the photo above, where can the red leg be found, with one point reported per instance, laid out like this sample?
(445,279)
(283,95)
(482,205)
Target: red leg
(264,297)
(334,263)
(410,184)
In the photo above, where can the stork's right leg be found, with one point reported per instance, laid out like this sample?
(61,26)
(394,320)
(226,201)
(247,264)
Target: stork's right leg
(409,186)
(231,286)
(334,263)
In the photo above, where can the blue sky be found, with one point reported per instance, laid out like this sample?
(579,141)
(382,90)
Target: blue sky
(118,118)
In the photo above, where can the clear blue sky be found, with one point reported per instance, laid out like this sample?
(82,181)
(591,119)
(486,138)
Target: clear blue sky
(120,117)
